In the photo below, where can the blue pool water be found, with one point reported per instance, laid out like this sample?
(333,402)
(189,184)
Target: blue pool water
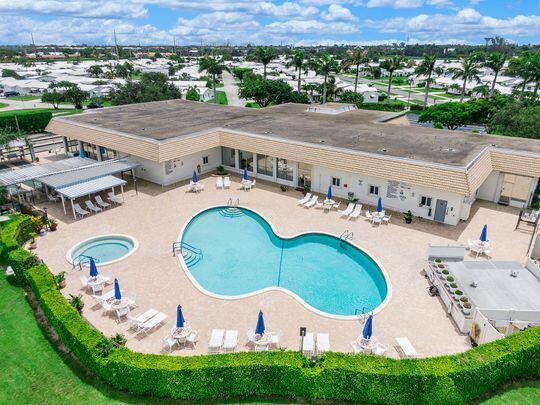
(104,248)
(241,254)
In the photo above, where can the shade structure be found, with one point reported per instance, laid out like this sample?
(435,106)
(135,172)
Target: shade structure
(483,235)
(90,187)
(93,268)
(379,205)
(329,193)
(259,330)
(179,317)
(245,177)
(195,178)
(368,328)
(117,293)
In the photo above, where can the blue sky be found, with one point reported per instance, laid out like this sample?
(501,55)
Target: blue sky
(303,22)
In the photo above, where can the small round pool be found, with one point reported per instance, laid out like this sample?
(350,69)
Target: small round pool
(105,249)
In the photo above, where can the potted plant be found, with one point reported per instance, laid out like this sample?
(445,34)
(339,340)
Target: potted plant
(33,241)
(437,260)
(118,340)
(60,280)
(466,309)
(76,302)
(53,225)
(445,273)
(408,216)
(458,294)
(307,189)
(452,288)
(221,171)
(283,188)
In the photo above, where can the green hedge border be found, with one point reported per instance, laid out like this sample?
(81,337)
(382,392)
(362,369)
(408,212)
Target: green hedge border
(367,379)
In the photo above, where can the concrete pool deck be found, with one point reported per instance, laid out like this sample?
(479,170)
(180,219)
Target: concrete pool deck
(155,216)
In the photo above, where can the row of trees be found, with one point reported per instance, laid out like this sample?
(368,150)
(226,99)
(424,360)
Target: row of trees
(64,92)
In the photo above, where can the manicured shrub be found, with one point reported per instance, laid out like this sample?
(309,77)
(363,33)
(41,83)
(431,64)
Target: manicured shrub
(20,260)
(27,121)
(17,231)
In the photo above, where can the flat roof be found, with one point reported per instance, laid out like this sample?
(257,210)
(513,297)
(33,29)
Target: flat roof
(358,130)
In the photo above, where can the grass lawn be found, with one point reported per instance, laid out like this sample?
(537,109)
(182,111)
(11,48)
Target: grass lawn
(524,392)
(25,98)
(252,104)
(221,98)
(59,111)
(2,105)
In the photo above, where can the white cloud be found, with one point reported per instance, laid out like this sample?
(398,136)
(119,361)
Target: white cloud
(311,27)
(396,3)
(336,12)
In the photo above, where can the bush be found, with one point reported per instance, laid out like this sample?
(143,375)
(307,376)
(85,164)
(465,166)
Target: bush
(26,121)
(14,234)
(20,260)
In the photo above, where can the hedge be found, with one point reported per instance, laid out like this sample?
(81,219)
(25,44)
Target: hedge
(368,379)
(17,231)
(26,121)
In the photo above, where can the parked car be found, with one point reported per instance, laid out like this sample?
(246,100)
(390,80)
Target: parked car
(94,104)
(11,94)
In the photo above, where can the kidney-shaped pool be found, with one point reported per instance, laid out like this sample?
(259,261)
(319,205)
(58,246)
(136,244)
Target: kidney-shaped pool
(234,252)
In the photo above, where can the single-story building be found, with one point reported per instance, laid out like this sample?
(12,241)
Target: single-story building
(436,174)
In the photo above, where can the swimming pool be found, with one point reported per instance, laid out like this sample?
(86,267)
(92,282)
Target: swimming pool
(105,249)
(237,253)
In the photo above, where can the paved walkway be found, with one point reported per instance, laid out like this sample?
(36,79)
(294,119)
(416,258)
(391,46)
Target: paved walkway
(231,89)
(23,105)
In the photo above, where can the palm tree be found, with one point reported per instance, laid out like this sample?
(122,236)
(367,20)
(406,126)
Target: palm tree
(390,65)
(483,90)
(527,66)
(264,55)
(355,57)
(297,60)
(325,65)
(495,62)
(468,71)
(214,66)
(427,68)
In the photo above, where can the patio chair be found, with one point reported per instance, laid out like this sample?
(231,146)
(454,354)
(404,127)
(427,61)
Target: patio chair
(251,336)
(405,347)
(323,343)
(336,206)
(356,348)
(219,182)
(376,220)
(170,342)
(79,211)
(379,349)
(122,312)
(216,340)
(114,198)
(348,210)
(152,323)
(142,318)
(101,203)
(131,300)
(311,202)
(356,213)
(227,182)
(90,205)
(231,340)
(192,339)
(308,346)
(319,205)
(275,339)
(253,183)
(386,219)
(84,282)
(106,307)
(53,198)
(369,216)
(304,200)
(98,288)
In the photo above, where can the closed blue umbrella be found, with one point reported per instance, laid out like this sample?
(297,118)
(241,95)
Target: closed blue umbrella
(245,174)
(329,194)
(259,330)
(117,293)
(368,328)
(93,268)
(179,317)
(483,235)
(379,205)
(195,178)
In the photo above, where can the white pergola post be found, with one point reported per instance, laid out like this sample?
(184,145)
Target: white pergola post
(122,190)
(63,203)
(73,208)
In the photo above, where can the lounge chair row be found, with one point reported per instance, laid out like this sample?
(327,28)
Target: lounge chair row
(99,206)
(223,182)
(311,347)
(311,200)
(352,211)
(222,341)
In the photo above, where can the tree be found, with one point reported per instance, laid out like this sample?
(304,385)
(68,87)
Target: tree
(517,119)
(352,97)
(355,57)
(392,64)
(427,68)
(495,62)
(95,71)
(52,97)
(214,66)
(451,115)
(266,92)
(482,90)
(152,86)
(241,72)
(76,96)
(192,94)
(172,70)
(64,91)
(297,60)
(526,66)
(123,70)
(468,71)
(374,71)
(324,66)
(10,73)
(264,55)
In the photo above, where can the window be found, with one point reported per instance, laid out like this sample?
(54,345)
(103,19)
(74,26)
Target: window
(265,165)
(246,160)
(205,160)
(425,201)
(284,169)
(228,157)
(374,190)
(336,181)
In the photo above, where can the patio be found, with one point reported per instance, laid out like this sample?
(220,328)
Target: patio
(155,217)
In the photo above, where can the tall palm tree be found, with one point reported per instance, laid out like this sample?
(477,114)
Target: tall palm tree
(264,55)
(526,66)
(469,70)
(495,62)
(297,59)
(214,66)
(391,65)
(427,68)
(324,66)
(355,57)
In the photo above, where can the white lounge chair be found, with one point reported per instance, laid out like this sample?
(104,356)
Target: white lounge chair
(304,200)
(101,203)
(231,340)
(90,205)
(152,323)
(406,347)
(104,297)
(79,211)
(348,210)
(323,343)
(114,198)
(311,202)
(356,213)
(216,340)
(308,346)
(227,182)
(219,182)
(142,318)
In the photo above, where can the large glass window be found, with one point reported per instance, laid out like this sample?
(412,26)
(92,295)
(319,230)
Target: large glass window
(284,169)
(228,156)
(246,160)
(304,175)
(265,165)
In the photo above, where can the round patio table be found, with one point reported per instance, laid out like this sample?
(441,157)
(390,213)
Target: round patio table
(181,333)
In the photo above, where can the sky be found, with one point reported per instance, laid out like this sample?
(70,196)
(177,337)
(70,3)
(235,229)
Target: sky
(299,23)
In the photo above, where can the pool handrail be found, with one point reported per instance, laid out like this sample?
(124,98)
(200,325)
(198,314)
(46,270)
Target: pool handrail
(183,245)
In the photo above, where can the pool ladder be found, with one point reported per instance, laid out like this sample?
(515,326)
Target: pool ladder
(80,260)
(190,254)
(346,235)
(362,314)
(234,204)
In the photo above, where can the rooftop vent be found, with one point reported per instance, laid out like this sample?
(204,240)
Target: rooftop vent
(331,108)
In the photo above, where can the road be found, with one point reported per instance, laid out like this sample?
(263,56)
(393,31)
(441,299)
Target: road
(231,89)
(23,105)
